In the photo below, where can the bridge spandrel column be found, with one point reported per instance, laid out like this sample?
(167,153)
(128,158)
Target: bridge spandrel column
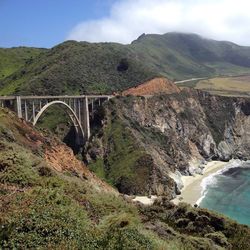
(86,123)
(26,110)
(19,106)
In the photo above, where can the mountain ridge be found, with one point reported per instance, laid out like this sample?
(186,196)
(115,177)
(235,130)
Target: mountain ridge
(81,67)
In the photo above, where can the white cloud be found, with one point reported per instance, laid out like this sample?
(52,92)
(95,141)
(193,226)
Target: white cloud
(217,19)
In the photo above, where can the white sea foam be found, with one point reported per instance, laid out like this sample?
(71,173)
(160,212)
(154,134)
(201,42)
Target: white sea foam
(212,181)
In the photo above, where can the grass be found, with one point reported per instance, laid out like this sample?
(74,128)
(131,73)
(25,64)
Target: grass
(226,86)
(14,59)
(98,168)
(225,68)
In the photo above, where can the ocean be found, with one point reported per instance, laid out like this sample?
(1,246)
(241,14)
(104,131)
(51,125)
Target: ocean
(228,191)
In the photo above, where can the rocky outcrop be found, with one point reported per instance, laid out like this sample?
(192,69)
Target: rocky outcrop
(150,140)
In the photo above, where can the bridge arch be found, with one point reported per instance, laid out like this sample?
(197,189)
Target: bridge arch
(71,114)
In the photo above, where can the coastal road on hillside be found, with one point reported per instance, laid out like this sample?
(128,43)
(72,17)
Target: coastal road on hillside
(190,80)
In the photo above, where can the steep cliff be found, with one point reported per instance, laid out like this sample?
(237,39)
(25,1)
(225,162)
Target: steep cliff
(144,140)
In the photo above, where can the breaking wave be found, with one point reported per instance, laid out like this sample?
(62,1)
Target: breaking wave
(211,180)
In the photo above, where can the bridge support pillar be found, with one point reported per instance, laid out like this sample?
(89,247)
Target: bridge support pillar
(19,106)
(86,123)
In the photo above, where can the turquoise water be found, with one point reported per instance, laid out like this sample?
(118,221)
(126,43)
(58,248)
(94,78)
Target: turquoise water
(228,192)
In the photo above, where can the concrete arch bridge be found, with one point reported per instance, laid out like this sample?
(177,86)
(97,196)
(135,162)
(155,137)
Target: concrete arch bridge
(78,108)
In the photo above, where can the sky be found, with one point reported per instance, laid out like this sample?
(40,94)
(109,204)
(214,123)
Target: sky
(45,23)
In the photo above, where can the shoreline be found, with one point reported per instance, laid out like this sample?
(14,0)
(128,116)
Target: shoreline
(191,192)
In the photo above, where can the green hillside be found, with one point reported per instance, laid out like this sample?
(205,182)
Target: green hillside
(73,68)
(81,67)
(183,56)
(15,58)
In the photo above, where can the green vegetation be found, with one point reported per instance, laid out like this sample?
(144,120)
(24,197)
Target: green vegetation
(55,119)
(184,56)
(42,208)
(127,165)
(78,68)
(202,228)
(98,168)
(81,67)
(14,59)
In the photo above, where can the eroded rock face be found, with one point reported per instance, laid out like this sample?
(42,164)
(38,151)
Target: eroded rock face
(178,131)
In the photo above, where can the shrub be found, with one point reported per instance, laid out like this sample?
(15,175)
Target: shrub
(17,167)
(121,232)
(44,170)
(219,238)
(50,218)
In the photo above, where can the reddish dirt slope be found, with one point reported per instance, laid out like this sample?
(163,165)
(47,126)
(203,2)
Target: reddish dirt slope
(154,86)
(57,155)
(61,158)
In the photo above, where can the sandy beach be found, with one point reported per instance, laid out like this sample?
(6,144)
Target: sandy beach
(192,190)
